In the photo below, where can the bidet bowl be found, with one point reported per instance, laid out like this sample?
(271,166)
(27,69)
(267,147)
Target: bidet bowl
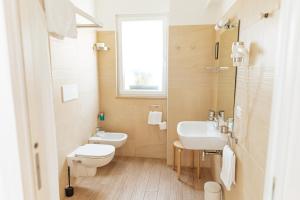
(115,139)
(201,135)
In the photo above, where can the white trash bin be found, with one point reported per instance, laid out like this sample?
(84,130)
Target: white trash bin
(212,191)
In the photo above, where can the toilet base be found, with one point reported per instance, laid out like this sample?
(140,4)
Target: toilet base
(85,160)
(81,170)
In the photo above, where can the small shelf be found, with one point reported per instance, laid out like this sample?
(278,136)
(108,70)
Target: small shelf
(218,69)
(95,23)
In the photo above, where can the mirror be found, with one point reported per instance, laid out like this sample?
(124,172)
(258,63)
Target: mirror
(226,71)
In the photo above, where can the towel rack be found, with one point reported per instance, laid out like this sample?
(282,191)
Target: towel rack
(208,152)
(95,22)
(219,69)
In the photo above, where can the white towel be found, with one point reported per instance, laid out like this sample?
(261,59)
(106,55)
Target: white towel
(61,18)
(154,118)
(228,167)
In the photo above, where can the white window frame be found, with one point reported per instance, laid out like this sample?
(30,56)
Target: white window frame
(121,92)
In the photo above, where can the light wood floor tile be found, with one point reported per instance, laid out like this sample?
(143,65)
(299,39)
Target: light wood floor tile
(129,178)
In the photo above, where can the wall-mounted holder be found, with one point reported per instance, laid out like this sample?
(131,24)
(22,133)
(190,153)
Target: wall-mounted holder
(226,24)
(240,54)
(265,15)
(101,46)
(269,13)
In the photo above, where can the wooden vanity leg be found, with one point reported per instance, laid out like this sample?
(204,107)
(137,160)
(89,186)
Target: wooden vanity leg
(193,160)
(174,157)
(179,164)
(198,164)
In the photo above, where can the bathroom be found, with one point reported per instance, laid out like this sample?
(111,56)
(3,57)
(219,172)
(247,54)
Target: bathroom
(161,99)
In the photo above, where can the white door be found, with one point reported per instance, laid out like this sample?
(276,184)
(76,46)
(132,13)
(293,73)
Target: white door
(30,59)
(11,186)
(283,166)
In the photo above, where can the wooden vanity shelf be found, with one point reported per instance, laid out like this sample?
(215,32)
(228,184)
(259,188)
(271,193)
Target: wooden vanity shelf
(178,148)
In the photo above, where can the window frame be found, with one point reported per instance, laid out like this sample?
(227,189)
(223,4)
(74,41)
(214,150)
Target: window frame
(121,92)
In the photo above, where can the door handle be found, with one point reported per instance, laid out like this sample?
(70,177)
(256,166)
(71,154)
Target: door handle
(38,168)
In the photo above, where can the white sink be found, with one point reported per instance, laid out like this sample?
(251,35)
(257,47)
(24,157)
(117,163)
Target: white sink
(201,135)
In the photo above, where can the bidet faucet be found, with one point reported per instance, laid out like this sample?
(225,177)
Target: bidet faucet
(99,129)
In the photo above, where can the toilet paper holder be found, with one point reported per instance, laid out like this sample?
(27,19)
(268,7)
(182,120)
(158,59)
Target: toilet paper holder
(153,107)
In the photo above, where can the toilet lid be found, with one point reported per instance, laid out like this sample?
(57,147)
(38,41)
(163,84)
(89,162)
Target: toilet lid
(94,150)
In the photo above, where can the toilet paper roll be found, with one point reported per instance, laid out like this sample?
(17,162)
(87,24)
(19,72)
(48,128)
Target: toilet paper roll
(154,118)
(163,125)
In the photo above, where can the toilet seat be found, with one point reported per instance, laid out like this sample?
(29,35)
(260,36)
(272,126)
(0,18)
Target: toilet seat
(94,151)
(85,160)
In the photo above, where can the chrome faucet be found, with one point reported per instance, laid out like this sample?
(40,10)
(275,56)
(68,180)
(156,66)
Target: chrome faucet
(227,127)
(211,115)
(218,118)
(222,115)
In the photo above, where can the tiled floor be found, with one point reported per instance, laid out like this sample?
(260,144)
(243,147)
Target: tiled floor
(140,179)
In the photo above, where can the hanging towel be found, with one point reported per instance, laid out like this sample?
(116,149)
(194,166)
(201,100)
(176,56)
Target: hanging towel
(61,18)
(228,167)
(154,118)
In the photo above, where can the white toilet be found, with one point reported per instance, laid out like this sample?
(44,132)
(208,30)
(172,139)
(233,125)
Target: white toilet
(85,159)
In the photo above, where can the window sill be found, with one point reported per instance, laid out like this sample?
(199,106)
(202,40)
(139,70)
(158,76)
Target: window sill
(140,97)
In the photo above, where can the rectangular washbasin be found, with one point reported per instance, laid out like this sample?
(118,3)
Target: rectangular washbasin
(201,135)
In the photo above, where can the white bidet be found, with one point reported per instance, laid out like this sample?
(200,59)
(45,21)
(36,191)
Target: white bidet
(115,139)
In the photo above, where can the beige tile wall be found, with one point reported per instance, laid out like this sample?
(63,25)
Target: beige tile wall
(254,95)
(191,87)
(74,62)
(191,92)
(128,115)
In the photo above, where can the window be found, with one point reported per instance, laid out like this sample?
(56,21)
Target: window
(142,56)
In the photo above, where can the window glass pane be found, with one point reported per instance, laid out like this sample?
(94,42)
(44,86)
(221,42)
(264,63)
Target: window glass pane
(142,43)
